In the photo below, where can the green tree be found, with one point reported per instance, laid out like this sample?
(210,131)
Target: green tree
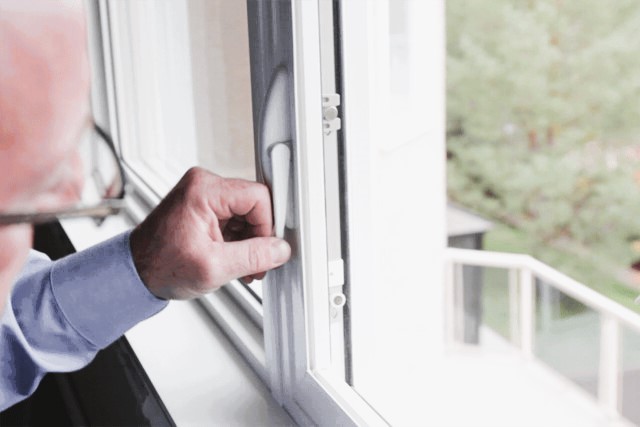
(543,113)
(547,72)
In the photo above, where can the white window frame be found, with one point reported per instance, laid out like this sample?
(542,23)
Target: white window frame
(302,322)
(297,316)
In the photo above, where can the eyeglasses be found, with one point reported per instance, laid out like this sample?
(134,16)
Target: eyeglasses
(103,188)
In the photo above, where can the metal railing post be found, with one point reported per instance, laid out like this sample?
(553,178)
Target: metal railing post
(609,392)
(527,311)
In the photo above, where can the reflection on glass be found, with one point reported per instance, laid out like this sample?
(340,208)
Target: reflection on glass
(185,79)
(222,86)
(407,67)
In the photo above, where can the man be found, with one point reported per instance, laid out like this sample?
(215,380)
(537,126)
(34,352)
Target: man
(56,316)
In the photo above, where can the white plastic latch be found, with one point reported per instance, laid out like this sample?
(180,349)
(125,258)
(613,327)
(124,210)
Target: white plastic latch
(330,114)
(280,160)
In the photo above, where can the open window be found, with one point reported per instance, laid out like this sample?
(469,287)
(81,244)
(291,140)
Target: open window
(339,107)
(366,194)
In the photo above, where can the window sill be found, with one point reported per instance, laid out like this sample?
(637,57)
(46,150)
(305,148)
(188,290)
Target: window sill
(199,375)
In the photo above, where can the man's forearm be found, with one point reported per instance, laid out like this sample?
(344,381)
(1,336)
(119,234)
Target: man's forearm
(61,313)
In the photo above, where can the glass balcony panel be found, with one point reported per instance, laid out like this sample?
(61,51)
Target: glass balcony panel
(486,306)
(630,374)
(567,336)
(499,305)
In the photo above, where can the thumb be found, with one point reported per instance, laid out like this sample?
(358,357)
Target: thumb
(252,256)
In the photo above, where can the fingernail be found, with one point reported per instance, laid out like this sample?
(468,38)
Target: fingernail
(280,251)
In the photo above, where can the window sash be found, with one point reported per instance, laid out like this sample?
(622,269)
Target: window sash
(296,297)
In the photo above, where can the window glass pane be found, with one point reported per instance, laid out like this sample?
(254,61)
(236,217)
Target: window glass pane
(183,83)
(406,68)
(541,143)
(182,79)
(395,199)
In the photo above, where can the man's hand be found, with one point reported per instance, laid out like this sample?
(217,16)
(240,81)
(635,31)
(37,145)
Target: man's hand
(207,231)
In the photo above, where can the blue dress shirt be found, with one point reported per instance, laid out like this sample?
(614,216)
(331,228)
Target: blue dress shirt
(61,313)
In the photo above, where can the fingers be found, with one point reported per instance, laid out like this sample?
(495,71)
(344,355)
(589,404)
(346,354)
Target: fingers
(237,228)
(250,200)
(229,198)
(252,257)
(207,231)
(249,279)
(259,276)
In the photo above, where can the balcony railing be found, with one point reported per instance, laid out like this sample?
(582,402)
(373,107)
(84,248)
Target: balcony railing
(525,281)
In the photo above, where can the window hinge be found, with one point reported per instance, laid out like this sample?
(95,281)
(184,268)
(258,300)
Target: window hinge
(330,114)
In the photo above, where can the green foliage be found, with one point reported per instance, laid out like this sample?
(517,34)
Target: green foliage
(551,195)
(545,72)
(543,116)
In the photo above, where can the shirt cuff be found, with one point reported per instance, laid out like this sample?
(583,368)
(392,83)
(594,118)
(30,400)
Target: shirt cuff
(100,292)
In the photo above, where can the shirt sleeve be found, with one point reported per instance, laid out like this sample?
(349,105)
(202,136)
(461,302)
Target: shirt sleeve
(61,313)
